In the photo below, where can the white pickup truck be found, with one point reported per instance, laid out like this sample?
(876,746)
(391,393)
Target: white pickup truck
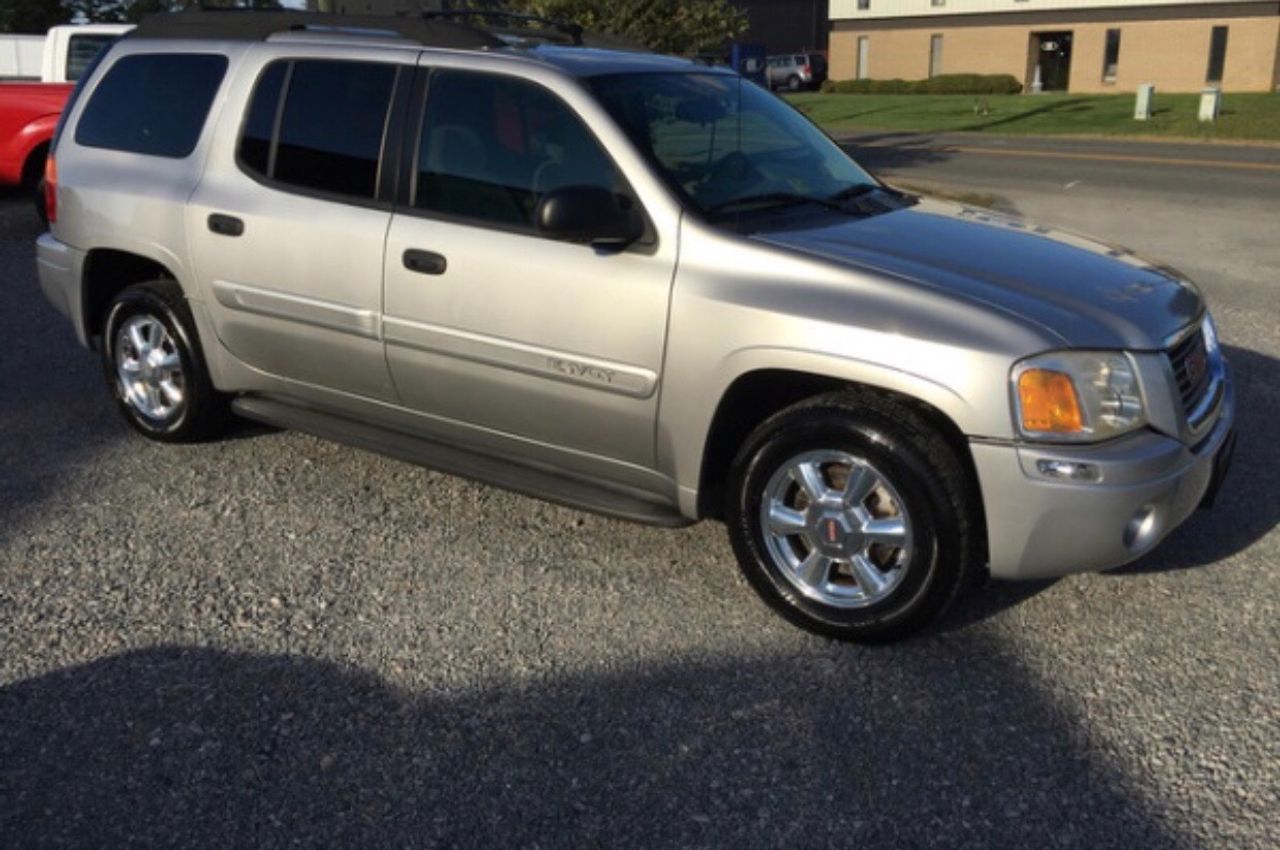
(60,56)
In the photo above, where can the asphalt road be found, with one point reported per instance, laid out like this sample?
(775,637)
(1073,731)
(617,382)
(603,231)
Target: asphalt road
(273,641)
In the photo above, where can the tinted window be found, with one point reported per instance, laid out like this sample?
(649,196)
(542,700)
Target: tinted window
(260,121)
(81,49)
(154,103)
(492,146)
(331,128)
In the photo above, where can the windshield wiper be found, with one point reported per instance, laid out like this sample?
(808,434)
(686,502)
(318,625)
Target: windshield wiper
(767,200)
(857,190)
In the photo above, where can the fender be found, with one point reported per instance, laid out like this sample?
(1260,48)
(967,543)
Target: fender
(21,144)
(684,456)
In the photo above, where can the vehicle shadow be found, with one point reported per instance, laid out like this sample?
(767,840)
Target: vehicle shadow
(1248,506)
(952,743)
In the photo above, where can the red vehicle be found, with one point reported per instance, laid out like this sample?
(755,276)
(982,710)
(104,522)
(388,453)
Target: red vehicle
(28,115)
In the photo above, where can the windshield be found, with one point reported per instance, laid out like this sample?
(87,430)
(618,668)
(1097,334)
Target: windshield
(725,143)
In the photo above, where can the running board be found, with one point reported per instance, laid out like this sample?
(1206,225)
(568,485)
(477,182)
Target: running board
(549,485)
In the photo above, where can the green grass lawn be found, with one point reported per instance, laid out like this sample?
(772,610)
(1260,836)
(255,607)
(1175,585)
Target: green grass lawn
(1244,116)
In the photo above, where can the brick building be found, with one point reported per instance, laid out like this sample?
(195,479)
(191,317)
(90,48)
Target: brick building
(1063,45)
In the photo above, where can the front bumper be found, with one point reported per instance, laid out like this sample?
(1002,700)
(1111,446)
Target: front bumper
(1148,484)
(60,267)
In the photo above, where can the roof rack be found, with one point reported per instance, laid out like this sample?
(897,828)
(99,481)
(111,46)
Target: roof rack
(234,24)
(552,27)
(430,28)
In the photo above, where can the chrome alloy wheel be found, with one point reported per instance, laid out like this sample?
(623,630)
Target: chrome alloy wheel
(836,528)
(149,369)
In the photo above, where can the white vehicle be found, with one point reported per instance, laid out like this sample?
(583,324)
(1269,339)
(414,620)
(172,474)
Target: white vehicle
(20,56)
(59,56)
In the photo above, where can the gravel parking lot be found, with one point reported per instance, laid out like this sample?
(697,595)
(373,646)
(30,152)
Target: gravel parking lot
(274,641)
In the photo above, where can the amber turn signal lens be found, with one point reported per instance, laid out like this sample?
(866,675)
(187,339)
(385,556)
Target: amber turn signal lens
(1049,403)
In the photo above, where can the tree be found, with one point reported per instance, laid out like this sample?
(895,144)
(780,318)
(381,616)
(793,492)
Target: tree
(668,26)
(32,16)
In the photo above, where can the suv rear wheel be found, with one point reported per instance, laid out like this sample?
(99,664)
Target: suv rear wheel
(847,515)
(794,83)
(155,368)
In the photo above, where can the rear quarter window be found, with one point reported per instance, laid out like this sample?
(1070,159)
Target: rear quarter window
(152,103)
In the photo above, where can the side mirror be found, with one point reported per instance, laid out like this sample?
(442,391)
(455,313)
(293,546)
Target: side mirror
(590,214)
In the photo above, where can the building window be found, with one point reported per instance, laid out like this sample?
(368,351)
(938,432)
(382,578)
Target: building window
(938,2)
(1217,55)
(1111,56)
(935,55)
(864,48)
(864,4)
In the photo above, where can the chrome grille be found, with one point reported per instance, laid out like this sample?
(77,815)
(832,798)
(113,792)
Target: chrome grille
(1192,370)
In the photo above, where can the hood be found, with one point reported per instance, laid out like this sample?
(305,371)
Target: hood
(1087,294)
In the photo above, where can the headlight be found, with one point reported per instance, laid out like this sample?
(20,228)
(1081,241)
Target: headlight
(1077,396)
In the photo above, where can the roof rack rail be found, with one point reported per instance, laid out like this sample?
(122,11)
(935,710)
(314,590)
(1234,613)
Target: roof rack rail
(234,24)
(571,31)
(429,28)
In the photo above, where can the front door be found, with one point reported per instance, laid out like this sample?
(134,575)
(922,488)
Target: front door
(492,325)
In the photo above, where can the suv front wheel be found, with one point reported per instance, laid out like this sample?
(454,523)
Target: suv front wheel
(155,368)
(847,513)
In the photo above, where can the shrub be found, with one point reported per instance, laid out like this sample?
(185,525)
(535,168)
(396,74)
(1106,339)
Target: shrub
(941,84)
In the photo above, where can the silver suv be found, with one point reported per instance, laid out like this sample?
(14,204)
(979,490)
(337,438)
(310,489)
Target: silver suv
(796,71)
(627,283)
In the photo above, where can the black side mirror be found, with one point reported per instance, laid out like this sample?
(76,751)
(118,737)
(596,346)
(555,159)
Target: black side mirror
(590,214)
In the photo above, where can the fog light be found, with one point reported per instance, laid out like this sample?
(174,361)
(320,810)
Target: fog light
(1068,470)
(1142,529)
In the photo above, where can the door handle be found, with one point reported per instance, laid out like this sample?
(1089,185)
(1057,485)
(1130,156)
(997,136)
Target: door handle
(424,262)
(225,225)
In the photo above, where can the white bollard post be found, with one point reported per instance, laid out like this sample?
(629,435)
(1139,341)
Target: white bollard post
(1210,104)
(1146,102)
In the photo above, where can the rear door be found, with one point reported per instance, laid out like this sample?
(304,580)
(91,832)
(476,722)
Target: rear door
(288,229)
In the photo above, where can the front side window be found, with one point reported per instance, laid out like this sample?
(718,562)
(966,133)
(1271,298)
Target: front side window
(152,103)
(492,146)
(720,140)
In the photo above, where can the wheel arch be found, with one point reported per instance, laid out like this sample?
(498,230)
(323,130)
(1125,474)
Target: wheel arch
(755,395)
(106,273)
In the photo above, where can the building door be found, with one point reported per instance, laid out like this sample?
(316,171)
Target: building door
(1053,66)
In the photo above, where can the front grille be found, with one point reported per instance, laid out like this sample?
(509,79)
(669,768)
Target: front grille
(1192,370)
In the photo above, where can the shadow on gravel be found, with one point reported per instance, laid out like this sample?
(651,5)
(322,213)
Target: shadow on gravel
(195,748)
(1248,506)
(55,413)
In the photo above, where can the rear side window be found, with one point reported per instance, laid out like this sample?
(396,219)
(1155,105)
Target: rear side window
(152,103)
(327,136)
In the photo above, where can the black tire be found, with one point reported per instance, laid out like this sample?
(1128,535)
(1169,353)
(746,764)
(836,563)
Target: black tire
(33,181)
(944,546)
(203,412)
(37,198)
(794,83)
